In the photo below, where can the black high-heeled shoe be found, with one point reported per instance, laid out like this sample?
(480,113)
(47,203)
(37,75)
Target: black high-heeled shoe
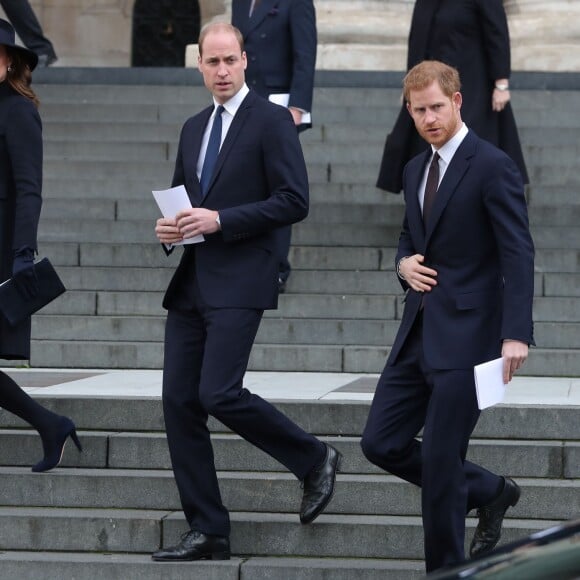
(54,446)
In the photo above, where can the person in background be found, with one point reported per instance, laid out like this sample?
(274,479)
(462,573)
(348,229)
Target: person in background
(20,203)
(466,262)
(473,37)
(241,163)
(280,40)
(25,22)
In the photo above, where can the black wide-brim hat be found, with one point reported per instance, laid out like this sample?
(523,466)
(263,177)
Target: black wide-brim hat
(8,38)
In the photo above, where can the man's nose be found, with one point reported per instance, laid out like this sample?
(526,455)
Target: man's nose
(430,116)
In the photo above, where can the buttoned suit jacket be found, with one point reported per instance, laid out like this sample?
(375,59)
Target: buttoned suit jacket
(479,243)
(259,184)
(280,41)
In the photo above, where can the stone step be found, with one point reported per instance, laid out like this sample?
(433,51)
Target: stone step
(332,152)
(302,281)
(259,534)
(273,330)
(343,306)
(42,565)
(158,173)
(544,362)
(148,451)
(95,566)
(126,210)
(143,231)
(257,492)
(98,151)
(336,418)
(195,95)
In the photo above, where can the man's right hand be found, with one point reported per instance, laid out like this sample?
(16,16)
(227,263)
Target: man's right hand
(167,231)
(419,277)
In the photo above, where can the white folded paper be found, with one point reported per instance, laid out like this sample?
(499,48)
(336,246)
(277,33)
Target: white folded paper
(171,201)
(489,384)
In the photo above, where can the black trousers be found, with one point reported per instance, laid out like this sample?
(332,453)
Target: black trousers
(22,17)
(409,397)
(206,356)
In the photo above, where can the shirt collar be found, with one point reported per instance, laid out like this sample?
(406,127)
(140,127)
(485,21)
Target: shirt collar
(233,104)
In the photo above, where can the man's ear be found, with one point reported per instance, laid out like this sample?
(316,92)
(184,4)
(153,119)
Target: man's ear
(457,99)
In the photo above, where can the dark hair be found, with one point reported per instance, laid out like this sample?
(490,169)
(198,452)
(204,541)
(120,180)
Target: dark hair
(224,27)
(19,76)
(428,71)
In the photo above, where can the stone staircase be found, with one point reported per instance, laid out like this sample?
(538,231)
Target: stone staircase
(101,513)
(107,146)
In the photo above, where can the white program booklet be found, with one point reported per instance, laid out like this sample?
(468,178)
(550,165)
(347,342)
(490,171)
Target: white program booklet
(171,201)
(489,384)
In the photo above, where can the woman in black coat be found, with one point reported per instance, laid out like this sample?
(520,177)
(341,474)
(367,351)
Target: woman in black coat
(473,37)
(20,202)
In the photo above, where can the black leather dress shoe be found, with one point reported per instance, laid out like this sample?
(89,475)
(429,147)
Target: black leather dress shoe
(281,286)
(195,546)
(319,486)
(488,531)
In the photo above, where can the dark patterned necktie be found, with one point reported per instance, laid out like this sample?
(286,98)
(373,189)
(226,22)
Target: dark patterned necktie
(431,187)
(212,152)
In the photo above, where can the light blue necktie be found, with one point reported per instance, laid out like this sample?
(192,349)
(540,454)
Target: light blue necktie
(212,152)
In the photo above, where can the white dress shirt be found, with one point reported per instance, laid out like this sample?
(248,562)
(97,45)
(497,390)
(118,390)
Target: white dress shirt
(446,154)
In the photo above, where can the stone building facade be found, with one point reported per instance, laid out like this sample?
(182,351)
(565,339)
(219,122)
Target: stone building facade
(353,34)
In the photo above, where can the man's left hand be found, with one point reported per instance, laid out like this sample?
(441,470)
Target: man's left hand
(514,354)
(296,115)
(197,220)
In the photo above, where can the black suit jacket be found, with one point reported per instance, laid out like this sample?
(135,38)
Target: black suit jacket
(280,42)
(259,185)
(479,243)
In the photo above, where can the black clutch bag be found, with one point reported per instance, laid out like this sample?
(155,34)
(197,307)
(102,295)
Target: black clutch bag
(16,306)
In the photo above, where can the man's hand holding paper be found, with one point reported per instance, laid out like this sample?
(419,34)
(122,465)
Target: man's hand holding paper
(172,202)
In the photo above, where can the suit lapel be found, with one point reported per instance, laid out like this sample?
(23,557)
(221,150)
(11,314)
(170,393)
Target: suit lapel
(191,155)
(457,168)
(414,214)
(260,12)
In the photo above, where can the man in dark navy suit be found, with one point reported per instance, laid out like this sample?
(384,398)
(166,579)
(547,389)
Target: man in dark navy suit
(466,261)
(220,289)
(280,40)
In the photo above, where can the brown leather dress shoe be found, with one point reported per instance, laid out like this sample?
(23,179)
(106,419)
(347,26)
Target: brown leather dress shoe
(319,486)
(195,546)
(488,531)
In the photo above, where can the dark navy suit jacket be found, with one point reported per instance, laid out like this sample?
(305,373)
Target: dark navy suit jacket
(259,184)
(479,243)
(280,42)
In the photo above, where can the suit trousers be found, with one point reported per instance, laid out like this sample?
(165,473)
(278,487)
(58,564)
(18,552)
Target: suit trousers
(409,397)
(206,355)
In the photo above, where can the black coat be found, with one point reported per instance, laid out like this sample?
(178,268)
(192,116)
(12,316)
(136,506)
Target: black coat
(473,37)
(20,200)
(280,41)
